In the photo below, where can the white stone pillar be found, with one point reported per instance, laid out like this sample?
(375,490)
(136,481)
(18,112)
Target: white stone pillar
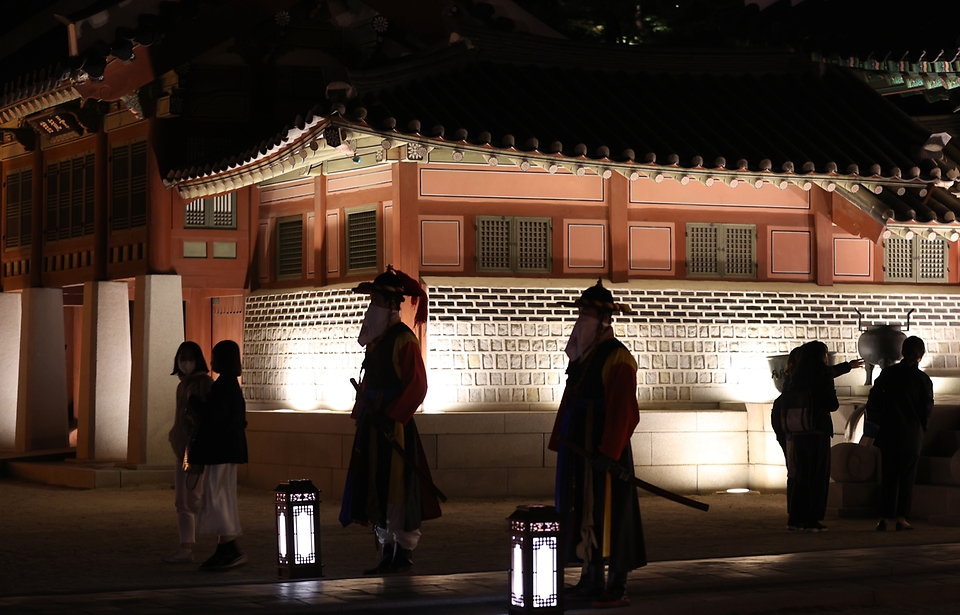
(42,421)
(10,319)
(157,333)
(103,415)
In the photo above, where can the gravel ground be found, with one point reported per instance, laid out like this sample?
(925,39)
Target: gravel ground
(55,539)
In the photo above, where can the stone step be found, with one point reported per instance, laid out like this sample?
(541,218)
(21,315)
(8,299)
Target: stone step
(935,501)
(87,476)
(942,444)
(935,471)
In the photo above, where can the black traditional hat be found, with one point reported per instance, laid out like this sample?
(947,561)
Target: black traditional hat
(395,282)
(600,298)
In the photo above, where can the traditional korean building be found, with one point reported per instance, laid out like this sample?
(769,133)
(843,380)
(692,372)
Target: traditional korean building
(743,201)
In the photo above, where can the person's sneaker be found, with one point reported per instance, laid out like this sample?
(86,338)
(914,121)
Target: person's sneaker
(607,600)
(581,592)
(178,557)
(233,560)
(793,528)
(213,562)
(815,527)
(882,525)
(903,526)
(402,560)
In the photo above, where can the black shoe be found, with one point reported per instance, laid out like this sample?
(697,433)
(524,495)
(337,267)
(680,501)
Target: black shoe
(402,560)
(588,588)
(384,566)
(213,562)
(233,557)
(903,526)
(882,525)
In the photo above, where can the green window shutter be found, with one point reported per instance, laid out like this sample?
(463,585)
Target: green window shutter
(195,214)
(223,211)
(932,258)
(12,213)
(120,188)
(290,247)
(703,249)
(534,247)
(362,239)
(493,243)
(738,251)
(75,228)
(53,201)
(898,259)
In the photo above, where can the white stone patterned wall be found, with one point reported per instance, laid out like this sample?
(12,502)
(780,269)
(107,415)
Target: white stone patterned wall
(503,346)
(300,348)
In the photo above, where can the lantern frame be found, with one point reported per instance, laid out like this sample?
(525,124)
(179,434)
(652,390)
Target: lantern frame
(297,510)
(532,529)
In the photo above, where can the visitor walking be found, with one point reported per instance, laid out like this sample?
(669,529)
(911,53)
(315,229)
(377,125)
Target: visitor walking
(220,444)
(195,381)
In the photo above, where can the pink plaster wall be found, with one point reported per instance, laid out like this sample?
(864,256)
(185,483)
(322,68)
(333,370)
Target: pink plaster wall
(852,257)
(790,252)
(510,184)
(441,243)
(651,249)
(585,245)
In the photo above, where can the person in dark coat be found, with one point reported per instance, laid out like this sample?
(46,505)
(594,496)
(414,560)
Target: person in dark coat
(381,488)
(900,402)
(221,444)
(598,413)
(776,420)
(808,447)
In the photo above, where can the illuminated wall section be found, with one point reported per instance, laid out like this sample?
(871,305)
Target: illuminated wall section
(502,346)
(300,349)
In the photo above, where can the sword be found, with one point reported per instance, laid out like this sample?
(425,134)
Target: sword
(618,471)
(406,456)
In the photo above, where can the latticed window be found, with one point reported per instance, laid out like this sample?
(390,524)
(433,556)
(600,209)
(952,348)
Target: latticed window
(19,210)
(128,186)
(70,198)
(512,244)
(214,212)
(290,247)
(721,250)
(362,239)
(916,260)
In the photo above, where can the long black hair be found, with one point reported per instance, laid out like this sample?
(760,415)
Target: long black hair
(812,365)
(226,358)
(189,349)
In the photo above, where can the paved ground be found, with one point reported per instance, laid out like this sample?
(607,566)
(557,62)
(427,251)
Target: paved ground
(69,551)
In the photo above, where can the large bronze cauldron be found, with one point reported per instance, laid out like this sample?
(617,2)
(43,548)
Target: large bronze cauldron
(880,345)
(778,364)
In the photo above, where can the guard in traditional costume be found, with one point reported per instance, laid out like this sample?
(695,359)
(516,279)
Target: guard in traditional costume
(598,414)
(382,486)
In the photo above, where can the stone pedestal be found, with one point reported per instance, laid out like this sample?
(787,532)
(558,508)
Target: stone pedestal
(104,403)
(10,319)
(42,421)
(157,333)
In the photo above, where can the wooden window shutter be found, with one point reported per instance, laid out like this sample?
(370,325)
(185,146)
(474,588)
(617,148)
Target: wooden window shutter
(534,245)
(89,194)
(932,259)
(362,239)
(290,247)
(898,260)
(53,201)
(214,212)
(19,206)
(739,251)
(493,243)
(138,184)
(120,188)
(75,227)
(703,249)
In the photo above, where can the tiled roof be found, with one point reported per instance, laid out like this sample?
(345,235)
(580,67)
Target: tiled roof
(773,116)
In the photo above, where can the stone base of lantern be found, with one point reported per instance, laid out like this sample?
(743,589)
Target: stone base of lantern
(853,500)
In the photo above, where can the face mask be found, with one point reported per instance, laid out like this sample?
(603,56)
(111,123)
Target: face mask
(583,336)
(186,366)
(375,323)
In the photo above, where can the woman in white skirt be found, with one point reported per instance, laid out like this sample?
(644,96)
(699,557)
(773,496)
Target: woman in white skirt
(221,444)
(195,381)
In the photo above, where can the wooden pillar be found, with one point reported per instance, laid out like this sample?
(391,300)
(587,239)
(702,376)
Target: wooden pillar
(820,203)
(617,197)
(319,231)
